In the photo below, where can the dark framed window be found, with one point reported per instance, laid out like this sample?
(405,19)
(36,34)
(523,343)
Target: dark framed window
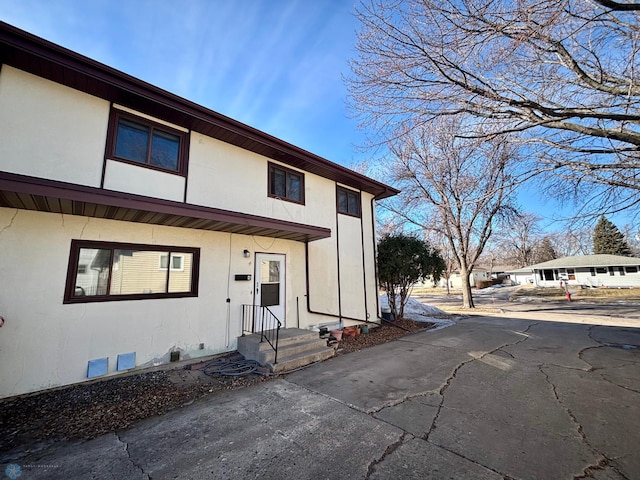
(286,184)
(348,202)
(632,269)
(601,270)
(140,141)
(108,271)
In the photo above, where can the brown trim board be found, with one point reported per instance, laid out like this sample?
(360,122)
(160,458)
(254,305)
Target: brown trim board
(30,193)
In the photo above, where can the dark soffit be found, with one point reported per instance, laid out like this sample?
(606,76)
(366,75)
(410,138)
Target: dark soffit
(30,193)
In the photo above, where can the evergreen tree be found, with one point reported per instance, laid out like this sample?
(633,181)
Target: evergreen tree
(402,261)
(608,239)
(545,251)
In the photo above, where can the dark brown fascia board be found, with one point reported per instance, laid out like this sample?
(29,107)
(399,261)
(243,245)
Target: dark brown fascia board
(50,188)
(25,43)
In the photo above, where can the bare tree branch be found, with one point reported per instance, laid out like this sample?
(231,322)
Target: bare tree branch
(456,187)
(561,74)
(619,6)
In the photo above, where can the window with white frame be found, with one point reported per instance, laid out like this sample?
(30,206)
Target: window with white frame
(177,261)
(107,271)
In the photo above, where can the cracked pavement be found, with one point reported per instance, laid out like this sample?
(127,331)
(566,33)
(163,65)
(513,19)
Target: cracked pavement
(491,397)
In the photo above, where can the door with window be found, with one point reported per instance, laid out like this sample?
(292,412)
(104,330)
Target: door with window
(270,283)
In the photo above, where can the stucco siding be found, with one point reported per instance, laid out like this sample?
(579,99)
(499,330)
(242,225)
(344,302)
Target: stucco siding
(368,223)
(225,176)
(124,177)
(45,343)
(50,131)
(351,267)
(323,275)
(54,132)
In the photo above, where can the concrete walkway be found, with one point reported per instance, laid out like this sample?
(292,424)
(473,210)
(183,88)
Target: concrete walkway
(488,398)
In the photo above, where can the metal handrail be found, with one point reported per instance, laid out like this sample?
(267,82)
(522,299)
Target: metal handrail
(259,319)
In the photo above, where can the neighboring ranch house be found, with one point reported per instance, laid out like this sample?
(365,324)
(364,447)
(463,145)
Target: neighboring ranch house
(502,273)
(585,270)
(455,280)
(137,227)
(521,276)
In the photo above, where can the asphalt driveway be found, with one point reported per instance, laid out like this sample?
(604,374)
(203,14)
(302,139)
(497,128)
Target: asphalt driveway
(487,398)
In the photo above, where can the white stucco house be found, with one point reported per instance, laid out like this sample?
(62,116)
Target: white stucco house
(455,280)
(521,276)
(584,270)
(137,227)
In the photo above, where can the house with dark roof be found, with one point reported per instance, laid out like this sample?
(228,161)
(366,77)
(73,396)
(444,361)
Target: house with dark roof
(139,228)
(585,270)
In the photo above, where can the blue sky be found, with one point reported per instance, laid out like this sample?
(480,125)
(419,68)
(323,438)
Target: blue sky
(276,65)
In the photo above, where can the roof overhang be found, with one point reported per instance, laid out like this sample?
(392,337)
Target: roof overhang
(29,193)
(587,261)
(37,56)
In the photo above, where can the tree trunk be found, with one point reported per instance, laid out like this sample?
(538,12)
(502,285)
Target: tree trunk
(467,297)
(391,298)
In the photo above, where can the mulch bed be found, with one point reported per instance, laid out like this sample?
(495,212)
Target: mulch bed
(382,334)
(88,410)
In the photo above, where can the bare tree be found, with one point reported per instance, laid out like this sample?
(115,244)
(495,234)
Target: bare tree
(442,245)
(632,234)
(518,242)
(456,187)
(561,74)
(573,241)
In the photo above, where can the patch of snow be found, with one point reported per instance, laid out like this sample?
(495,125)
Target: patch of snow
(488,290)
(419,312)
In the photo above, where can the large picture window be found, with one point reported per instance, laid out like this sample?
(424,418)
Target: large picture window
(100,271)
(286,184)
(137,140)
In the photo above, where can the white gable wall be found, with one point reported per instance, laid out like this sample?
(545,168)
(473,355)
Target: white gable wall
(54,132)
(225,176)
(42,122)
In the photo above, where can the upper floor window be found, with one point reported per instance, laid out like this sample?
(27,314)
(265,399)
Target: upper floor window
(286,184)
(104,271)
(141,141)
(348,202)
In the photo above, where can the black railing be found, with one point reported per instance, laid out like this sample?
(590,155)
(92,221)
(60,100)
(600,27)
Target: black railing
(260,320)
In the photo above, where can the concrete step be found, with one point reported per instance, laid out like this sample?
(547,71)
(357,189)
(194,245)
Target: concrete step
(296,348)
(291,362)
(251,345)
(267,355)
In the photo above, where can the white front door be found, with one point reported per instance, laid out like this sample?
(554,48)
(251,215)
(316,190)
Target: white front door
(270,283)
